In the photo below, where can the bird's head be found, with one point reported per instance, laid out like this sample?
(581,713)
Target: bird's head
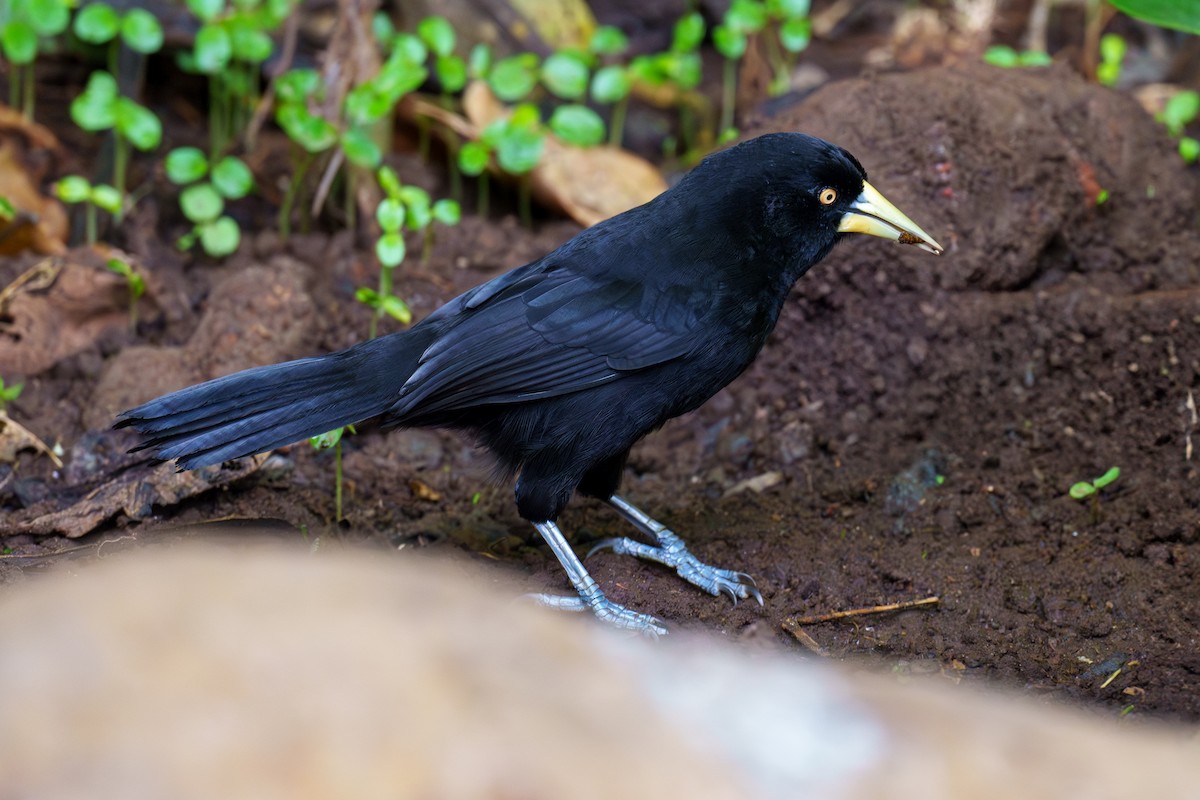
(803,194)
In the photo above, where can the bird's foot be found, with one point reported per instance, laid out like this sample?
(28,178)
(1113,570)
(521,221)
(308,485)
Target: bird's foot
(672,552)
(606,611)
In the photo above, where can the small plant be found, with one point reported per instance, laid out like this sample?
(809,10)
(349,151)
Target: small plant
(100,24)
(680,70)
(75,189)
(1001,55)
(9,393)
(1091,489)
(203,201)
(23,24)
(1112,54)
(101,107)
(326,441)
(136,284)
(610,83)
(1180,111)
(518,142)
(512,79)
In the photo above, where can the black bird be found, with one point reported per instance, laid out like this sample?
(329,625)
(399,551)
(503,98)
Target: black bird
(560,366)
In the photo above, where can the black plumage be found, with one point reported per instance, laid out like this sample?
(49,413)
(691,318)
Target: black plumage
(560,366)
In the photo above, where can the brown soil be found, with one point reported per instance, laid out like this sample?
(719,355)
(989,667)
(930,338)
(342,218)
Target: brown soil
(1055,339)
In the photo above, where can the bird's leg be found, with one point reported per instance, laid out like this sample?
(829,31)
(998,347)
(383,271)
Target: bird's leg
(590,597)
(672,552)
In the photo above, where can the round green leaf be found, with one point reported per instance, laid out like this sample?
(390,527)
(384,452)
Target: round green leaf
(141,31)
(398,77)
(397,309)
(97,23)
(186,165)
(795,34)
(1001,55)
(247,43)
(201,203)
(73,189)
(686,69)
(106,197)
(1189,149)
(729,42)
(19,42)
(1081,490)
(746,16)
(312,133)
(390,214)
(519,150)
(1112,48)
(220,237)
(438,33)
(688,33)
(410,48)
(565,75)
(514,77)
(48,17)
(206,10)
(608,40)
(95,109)
(390,249)
(416,201)
(473,158)
(452,73)
(365,104)
(447,212)
(138,124)
(788,9)
(389,181)
(479,63)
(383,29)
(577,125)
(1036,58)
(213,49)
(1182,108)
(297,85)
(360,149)
(610,84)
(232,178)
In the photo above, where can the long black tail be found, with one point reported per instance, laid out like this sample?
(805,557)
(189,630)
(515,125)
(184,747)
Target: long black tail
(267,407)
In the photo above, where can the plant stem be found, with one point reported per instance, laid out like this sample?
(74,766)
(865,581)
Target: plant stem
(27,98)
(616,131)
(427,245)
(89,221)
(482,204)
(728,96)
(524,202)
(120,165)
(289,198)
(779,80)
(337,481)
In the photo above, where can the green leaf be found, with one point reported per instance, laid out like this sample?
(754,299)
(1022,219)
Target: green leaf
(383,29)
(514,77)
(297,85)
(18,39)
(7,209)
(686,69)
(366,105)
(745,16)
(1107,478)
(390,249)
(409,48)
(447,212)
(1181,15)
(201,203)
(398,77)
(96,108)
(213,49)
(367,296)
(48,17)
(610,84)
(1081,490)
(608,40)
(565,75)
(1189,149)
(416,201)
(186,165)
(519,150)
(107,198)
(313,133)
(390,214)
(137,285)
(360,149)
(138,124)
(329,440)
(577,125)
(97,23)
(247,43)
(140,31)
(1181,109)
(452,73)
(232,178)
(1001,55)
(474,158)
(73,189)
(688,33)
(1112,48)
(206,10)
(788,9)
(438,33)
(397,309)
(479,63)
(795,34)
(1036,58)
(220,237)
(389,181)
(729,43)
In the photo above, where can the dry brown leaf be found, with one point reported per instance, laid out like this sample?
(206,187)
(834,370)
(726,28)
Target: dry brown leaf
(15,437)
(40,223)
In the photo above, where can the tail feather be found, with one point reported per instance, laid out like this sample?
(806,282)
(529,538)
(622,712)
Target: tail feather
(267,407)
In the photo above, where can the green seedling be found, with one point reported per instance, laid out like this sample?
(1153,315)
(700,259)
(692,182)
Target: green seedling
(566,75)
(326,441)
(518,142)
(1112,54)
(451,73)
(102,107)
(203,198)
(100,24)
(75,189)
(390,251)
(611,83)
(310,133)
(9,393)
(24,24)
(1001,55)
(512,79)
(474,158)
(1180,111)
(1091,489)
(8,211)
(136,284)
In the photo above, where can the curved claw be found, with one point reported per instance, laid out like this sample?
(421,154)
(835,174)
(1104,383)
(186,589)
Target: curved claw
(601,545)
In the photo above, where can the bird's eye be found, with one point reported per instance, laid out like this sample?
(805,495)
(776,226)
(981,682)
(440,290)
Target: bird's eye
(827,196)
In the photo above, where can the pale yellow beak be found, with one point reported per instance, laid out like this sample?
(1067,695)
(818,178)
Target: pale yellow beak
(873,215)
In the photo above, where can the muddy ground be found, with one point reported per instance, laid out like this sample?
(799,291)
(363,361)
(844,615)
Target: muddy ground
(911,429)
